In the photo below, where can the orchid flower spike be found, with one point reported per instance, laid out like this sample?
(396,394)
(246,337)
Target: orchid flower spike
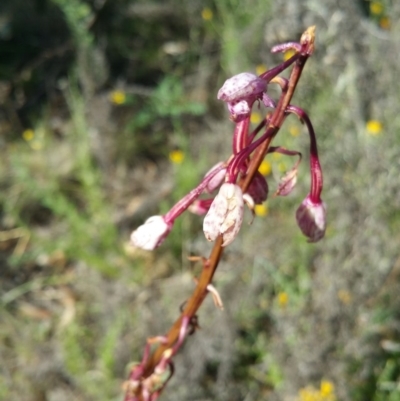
(225,215)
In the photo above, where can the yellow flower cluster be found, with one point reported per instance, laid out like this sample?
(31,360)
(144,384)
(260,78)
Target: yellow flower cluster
(377,10)
(326,392)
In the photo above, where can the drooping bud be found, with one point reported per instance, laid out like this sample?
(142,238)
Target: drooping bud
(311,218)
(151,234)
(242,86)
(258,188)
(287,182)
(225,215)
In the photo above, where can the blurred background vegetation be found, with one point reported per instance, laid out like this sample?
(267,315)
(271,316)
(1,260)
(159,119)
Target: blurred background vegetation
(108,114)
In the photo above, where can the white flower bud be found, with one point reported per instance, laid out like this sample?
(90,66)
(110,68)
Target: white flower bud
(225,215)
(151,234)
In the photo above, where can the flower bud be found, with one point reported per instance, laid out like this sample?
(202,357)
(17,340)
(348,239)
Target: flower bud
(242,86)
(225,215)
(311,218)
(151,234)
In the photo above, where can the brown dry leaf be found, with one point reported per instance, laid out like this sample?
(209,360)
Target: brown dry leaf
(34,312)
(68,301)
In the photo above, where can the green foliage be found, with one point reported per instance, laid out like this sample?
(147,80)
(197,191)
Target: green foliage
(78,15)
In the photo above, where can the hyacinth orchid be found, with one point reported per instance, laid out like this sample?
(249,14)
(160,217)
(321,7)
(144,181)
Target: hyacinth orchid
(241,92)
(223,191)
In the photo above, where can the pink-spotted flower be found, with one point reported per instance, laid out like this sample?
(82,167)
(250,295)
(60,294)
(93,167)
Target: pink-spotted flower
(151,234)
(240,92)
(225,215)
(311,218)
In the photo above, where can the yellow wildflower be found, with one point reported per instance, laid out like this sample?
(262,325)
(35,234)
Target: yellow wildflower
(28,134)
(288,54)
(118,97)
(384,23)
(261,210)
(374,127)
(283,299)
(260,69)
(176,156)
(376,8)
(255,117)
(207,14)
(327,388)
(265,167)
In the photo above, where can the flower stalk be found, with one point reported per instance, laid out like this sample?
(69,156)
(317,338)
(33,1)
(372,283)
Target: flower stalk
(223,219)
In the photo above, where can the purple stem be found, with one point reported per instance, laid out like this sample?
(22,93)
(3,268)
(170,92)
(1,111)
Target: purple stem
(188,199)
(315,166)
(232,169)
(240,135)
(273,72)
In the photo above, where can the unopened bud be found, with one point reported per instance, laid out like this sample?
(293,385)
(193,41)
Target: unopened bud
(225,215)
(311,218)
(151,234)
